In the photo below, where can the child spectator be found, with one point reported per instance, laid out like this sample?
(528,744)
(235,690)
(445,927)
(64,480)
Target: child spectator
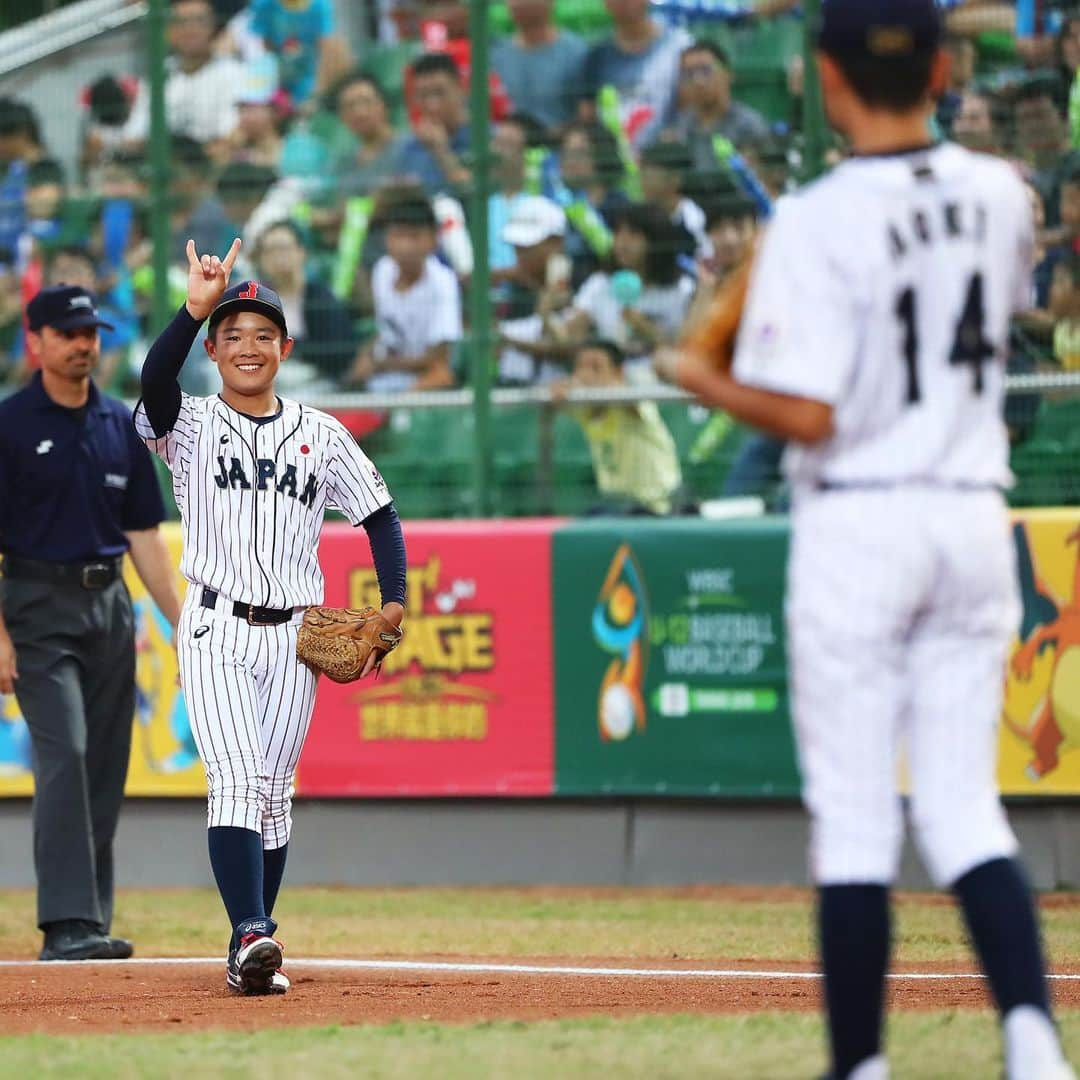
(973,123)
(300,33)
(44,203)
(417,305)
(537,287)
(641,302)
(708,111)
(730,224)
(432,155)
(324,341)
(200,88)
(633,454)
(541,66)
(20,147)
(641,61)
(195,211)
(665,165)
(254,197)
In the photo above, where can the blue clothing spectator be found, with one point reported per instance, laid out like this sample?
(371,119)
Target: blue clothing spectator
(418,163)
(543,79)
(295,35)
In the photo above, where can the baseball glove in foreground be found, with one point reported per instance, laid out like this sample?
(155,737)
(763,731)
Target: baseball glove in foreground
(712,336)
(338,641)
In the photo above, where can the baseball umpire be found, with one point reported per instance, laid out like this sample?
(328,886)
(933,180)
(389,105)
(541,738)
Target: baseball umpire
(874,338)
(77,490)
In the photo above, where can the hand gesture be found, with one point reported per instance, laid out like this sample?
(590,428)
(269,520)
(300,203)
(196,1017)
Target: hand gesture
(208,278)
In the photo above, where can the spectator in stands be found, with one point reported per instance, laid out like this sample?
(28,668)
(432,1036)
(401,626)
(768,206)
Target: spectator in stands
(641,302)
(20,147)
(541,67)
(72,265)
(510,141)
(325,342)
(108,109)
(708,109)
(665,166)
(1067,55)
(44,200)
(258,137)
(10,320)
(432,155)
(537,288)
(641,62)
(373,155)
(200,88)
(731,221)
(973,123)
(300,33)
(1041,139)
(196,212)
(255,197)
(962,55)
(417,305)
(587,187)
(634,457)
(1065,308)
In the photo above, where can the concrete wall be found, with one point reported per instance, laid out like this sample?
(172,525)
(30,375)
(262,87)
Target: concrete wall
(466,842)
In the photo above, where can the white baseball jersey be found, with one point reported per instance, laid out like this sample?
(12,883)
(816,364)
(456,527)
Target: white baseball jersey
(252,495)
(885,290)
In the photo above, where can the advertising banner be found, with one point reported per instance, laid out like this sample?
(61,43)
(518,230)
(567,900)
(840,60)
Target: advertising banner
(464,705)
(1040,729)
(670,670)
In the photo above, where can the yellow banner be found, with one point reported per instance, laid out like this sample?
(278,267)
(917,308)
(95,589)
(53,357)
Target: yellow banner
(1040,730)
(163,756)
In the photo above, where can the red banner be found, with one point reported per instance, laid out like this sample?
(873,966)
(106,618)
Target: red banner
(464,705)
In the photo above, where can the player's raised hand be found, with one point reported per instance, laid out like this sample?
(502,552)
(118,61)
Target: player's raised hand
(208,278)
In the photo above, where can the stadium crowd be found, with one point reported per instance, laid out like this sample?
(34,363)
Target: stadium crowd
(633,157)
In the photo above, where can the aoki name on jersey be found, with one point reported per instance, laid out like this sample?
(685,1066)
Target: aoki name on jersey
(232,474)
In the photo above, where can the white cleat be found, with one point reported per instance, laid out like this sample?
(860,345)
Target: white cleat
(279,983)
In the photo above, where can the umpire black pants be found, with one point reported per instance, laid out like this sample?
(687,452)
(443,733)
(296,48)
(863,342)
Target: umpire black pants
(75,654)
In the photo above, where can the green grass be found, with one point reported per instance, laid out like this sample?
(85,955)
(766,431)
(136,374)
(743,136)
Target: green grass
(654,924)
(785,1046)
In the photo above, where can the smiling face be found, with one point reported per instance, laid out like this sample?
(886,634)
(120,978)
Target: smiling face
(248,349)
(67,354)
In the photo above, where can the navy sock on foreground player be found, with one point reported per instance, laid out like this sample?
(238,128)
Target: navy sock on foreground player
(253,475)
(874,338)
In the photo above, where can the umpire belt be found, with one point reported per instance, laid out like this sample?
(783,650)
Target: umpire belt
(250,613)
(97,574)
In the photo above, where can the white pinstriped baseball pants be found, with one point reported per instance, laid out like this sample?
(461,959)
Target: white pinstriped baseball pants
(250,702)
(901,606)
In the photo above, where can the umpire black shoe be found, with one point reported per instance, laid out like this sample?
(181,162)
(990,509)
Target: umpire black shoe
(122,949)
(74,939)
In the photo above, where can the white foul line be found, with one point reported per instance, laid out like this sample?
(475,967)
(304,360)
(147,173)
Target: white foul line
(481,968)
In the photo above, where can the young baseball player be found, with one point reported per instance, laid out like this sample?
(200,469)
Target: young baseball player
(253,474)
(874,338)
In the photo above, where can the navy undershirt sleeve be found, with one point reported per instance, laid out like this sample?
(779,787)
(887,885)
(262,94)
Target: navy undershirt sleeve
(160,390)
(388,550)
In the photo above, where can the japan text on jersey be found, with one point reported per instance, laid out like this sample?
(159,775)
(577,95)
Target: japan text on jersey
(252,494)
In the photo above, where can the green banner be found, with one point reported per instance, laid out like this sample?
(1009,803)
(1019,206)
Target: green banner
(670,673)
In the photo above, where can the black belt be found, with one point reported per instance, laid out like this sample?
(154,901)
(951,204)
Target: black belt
(96,574)
(256,616)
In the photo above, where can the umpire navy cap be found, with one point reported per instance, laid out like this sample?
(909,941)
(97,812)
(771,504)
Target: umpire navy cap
(64,307)
(250,296)
(885,29)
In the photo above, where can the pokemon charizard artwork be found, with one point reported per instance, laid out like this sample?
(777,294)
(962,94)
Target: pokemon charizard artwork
(1049,622)
(619,623)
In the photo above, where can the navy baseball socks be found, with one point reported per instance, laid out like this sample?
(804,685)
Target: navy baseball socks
(854,929)
(996,901)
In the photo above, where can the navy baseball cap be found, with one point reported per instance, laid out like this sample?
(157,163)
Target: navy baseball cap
(885,29)
(250,296)
(64,307)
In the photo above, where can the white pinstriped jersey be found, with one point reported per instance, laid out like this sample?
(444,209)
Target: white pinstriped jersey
(885,290)
(252,495)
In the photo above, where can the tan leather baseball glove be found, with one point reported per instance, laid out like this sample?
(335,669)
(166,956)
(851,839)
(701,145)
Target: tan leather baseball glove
(339,641)
(713,334)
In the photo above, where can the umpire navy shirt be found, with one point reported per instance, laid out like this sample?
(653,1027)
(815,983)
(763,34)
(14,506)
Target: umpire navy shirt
(72,481)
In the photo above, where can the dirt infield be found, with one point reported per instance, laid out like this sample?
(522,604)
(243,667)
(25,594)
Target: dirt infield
(164,996)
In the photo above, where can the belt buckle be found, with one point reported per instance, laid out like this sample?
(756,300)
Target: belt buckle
(96,576)
(251,620)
